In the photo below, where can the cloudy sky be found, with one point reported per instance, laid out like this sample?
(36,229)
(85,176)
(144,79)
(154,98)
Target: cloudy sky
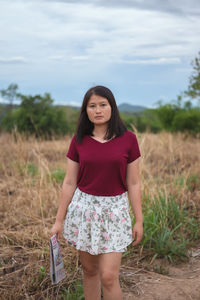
(141,50)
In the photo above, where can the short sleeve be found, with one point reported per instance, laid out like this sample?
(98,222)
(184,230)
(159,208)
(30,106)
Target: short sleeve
(134,151)
(72,151)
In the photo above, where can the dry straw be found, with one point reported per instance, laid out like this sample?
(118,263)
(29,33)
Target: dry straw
(29,197)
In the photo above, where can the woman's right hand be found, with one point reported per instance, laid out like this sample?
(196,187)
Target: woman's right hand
(57,229)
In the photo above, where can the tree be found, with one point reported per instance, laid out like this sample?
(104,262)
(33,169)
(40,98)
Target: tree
(166,115)
(10,94)
(36,115)
(187,121)
(194,83)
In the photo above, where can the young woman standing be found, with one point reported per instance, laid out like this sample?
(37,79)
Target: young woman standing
(102,172)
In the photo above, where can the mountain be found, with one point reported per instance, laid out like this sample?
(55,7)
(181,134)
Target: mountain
(125,107)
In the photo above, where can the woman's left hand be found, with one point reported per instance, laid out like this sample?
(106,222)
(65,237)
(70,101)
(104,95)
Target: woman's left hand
(137,233)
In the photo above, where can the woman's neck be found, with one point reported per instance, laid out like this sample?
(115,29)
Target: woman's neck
(100,131)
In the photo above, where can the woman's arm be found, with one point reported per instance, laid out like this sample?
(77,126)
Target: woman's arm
(68,188)
(134,192)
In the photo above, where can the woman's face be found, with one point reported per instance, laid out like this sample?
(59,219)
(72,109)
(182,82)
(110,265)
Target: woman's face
(98,110)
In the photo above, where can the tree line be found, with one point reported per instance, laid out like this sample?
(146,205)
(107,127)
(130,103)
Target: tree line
(173,117)
(38,116)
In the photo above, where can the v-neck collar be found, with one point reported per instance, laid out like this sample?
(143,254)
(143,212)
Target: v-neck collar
(99,141)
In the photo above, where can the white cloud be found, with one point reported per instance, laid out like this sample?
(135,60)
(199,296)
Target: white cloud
(63,44)
(174,7)
(59,30)
(186,70)
(56,57)
(80,58)
(2,100)
(73,103)
(13,60)
(159,61)
(70,103)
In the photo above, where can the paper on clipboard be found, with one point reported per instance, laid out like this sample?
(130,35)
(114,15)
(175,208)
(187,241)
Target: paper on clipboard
(57,271)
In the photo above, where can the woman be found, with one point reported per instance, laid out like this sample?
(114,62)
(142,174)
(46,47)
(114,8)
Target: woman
(102,171)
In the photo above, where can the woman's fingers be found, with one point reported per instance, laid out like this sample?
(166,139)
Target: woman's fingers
(56,229)
(137,236)
(138,239)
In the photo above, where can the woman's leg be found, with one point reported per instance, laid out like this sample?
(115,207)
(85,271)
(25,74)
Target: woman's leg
(109,264)
(91,279)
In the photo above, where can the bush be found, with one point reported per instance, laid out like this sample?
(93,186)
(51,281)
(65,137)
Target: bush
(37,116)
(187,120)
(168,228)
(166,114)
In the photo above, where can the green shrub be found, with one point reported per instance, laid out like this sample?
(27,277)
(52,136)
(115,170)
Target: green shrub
(187,120)
(166,114)
(37,116)
(32,169)
(193,182)
(168,228)
(58,175)
(74,292)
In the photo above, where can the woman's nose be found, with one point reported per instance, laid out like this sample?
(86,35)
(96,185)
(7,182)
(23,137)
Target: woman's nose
(98,109)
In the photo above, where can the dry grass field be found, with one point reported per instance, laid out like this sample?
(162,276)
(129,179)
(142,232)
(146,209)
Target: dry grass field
(31,173)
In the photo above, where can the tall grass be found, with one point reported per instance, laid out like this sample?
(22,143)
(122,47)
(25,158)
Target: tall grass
(168,228)
(31,174)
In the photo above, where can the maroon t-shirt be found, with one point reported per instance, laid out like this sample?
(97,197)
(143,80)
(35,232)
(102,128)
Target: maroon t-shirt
(102,166)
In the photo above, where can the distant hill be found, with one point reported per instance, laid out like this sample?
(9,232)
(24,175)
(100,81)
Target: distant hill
(125,107)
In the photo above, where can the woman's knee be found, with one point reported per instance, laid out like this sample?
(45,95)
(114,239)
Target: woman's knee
(89,270)
(109,278)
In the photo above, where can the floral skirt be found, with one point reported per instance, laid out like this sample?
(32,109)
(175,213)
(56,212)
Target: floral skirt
(98,224)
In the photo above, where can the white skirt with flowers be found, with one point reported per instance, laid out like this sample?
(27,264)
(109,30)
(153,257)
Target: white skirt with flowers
(98,224)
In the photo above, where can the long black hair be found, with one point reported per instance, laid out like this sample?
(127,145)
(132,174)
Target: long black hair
(116,126)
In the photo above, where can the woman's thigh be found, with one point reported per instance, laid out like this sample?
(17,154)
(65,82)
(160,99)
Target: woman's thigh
(106,263)
(89,262)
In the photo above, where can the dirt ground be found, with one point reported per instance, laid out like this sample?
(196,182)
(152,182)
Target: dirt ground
(181,281)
